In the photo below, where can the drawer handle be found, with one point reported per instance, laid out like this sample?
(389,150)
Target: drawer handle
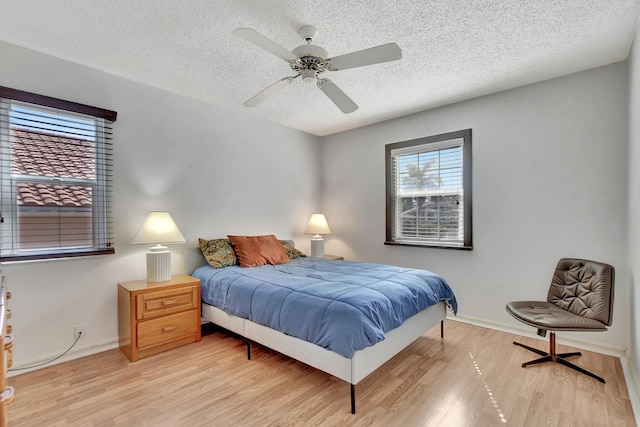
(9,329)
(8,295)
(169,302)
(169,328)
(8,341)
(7,395)
(8,315)
(9,358)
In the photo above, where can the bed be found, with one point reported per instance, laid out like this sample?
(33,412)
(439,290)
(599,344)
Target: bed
(341,335)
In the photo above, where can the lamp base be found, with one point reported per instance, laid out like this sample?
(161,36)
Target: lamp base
(158,265)
(317,246)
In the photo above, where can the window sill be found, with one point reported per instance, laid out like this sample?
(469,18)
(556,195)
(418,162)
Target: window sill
(427,245)
(55,256)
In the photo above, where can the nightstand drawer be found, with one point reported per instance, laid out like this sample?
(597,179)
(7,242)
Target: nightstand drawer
(167,328)
(161,303)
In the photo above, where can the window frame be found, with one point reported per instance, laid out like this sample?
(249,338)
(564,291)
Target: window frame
(437,141)
(102,185)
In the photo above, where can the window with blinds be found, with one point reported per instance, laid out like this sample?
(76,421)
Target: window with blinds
(429,191)
(55,178)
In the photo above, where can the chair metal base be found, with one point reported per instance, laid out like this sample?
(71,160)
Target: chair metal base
(552,356)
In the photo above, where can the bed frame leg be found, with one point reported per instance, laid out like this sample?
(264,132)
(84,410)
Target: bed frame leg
(442,329)
(353,398)
(248,349)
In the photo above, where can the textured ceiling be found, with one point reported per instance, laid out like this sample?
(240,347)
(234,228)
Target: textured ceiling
(452,49)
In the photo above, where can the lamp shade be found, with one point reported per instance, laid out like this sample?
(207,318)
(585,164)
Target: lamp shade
(317,225)
(159,227)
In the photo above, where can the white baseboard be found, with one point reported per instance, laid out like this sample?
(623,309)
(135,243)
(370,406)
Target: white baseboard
(596,347)
(631,378)
(630,375)
(34,364)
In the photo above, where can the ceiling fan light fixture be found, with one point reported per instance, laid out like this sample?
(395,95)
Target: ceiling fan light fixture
(308,76)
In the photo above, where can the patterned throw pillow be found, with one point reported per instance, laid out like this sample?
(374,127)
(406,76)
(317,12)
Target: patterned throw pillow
(218,252)
(291,251)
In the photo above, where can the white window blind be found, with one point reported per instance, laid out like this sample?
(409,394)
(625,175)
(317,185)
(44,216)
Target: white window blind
(426,186)
(55,178)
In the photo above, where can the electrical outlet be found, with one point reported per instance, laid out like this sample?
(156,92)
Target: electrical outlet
(79,330)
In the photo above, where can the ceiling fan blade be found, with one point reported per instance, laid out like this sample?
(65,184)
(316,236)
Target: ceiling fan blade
(335,94)
(373,55)
(252,36)
(277,86)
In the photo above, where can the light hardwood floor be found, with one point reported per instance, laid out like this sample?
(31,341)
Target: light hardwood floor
(472,377)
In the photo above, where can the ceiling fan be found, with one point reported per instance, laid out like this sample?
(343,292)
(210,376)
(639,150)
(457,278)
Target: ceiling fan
(309,61)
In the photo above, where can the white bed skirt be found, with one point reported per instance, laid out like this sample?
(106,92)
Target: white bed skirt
(352,370)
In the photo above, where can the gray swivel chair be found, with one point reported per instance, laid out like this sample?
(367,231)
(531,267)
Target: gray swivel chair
(580,298)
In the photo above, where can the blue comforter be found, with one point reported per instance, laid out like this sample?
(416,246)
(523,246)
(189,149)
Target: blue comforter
(339,305)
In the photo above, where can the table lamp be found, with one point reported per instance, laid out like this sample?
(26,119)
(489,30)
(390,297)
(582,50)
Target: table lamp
(158,228)
(317,225)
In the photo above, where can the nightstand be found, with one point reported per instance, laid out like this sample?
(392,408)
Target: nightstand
(155,317)
(333,257)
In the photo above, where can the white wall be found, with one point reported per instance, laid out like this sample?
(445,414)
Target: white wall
(634,201)
(216,173)
(549,181)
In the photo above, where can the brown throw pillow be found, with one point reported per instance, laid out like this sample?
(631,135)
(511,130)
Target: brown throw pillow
(253,251)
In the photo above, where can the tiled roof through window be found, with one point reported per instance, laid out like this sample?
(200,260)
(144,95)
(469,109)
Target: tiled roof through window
(37,153)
